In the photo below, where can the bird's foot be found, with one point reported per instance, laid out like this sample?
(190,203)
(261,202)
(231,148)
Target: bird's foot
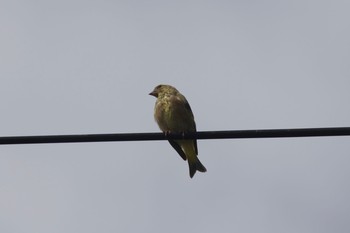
(167,133)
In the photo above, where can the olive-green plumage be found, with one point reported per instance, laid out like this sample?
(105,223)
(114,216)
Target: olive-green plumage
(173,114)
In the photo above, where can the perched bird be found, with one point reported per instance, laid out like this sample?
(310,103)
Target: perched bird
(174,115)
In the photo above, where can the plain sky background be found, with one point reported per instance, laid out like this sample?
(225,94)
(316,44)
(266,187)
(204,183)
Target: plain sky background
(76,67)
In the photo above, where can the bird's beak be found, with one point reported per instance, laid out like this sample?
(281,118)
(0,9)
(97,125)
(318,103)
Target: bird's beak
(154,93)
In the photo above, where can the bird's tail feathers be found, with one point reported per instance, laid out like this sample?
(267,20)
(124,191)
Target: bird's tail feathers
(195,165)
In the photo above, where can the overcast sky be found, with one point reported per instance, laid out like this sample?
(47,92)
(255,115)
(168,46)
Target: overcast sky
(75,67)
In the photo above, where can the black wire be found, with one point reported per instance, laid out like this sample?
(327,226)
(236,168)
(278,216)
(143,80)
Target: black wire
(264,133)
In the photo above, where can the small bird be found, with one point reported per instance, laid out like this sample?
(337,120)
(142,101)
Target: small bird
(174,115)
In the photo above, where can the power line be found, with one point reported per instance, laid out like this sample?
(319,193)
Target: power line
(229,134)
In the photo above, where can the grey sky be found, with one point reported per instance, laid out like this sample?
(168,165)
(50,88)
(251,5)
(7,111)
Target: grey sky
(69,67)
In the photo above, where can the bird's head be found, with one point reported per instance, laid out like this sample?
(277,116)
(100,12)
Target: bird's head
(163,90)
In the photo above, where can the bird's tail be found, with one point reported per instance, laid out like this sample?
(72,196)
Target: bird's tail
(195,165)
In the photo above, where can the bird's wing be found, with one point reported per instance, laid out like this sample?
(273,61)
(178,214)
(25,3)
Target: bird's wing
(190,113)
(188,107)
(178,148)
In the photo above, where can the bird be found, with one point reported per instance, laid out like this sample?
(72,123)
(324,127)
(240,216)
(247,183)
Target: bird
(173,114)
